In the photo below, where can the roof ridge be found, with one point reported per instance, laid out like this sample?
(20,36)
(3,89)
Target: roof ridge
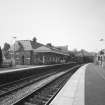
(24,40)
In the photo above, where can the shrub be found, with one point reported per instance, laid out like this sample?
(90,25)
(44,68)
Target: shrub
(1,58)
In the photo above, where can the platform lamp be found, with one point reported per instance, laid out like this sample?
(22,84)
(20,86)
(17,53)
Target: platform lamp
(102,40)
(102,53)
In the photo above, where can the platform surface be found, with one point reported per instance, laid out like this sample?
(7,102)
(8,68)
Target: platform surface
(95,85)
(85,87)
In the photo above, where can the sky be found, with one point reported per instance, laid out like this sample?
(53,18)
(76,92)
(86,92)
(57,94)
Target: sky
(80,24)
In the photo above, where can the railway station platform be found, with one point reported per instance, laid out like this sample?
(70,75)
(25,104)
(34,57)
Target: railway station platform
(16,67)
(19,67)
(85,87)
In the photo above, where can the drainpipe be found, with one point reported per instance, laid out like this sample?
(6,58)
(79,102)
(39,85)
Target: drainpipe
(43,59)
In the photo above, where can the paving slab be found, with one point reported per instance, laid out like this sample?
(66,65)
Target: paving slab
(85,87)
(73,91)
(95,85)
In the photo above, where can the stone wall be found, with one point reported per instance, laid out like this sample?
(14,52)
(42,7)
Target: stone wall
(32,58)
(23,57)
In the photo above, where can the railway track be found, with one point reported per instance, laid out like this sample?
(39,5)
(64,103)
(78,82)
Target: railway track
(13,95)
(46,94)
(7,88)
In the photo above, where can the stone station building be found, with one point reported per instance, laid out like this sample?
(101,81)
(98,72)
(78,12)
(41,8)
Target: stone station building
(30,52)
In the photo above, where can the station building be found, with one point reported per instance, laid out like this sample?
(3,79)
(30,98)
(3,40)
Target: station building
(30,52)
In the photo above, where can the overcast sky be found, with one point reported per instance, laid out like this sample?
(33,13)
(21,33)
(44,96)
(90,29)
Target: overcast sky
(80,24)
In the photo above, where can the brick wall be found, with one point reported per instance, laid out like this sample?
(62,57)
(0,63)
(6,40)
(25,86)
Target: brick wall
(23,58)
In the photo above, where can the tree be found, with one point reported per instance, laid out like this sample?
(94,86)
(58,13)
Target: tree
(71,56)
(49,44)
(1,58)
(6,47)
(101,52)
(5,50)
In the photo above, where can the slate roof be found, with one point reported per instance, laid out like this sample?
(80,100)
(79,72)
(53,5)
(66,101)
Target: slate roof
(35,45)
(43,49)
(28,45)
(58,51)
(63,48)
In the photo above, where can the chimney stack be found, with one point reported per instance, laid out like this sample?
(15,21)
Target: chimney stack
(34,39)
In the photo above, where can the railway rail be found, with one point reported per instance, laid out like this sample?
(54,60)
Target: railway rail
(45,94)
(8,76)
(14,95)
(27,78)
(7,88)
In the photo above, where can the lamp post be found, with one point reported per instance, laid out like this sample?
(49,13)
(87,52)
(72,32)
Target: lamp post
(14,39)
(101,40)
(102,53)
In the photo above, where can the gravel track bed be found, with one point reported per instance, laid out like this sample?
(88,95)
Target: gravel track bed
(44,95)
(24,92)
(7,88)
